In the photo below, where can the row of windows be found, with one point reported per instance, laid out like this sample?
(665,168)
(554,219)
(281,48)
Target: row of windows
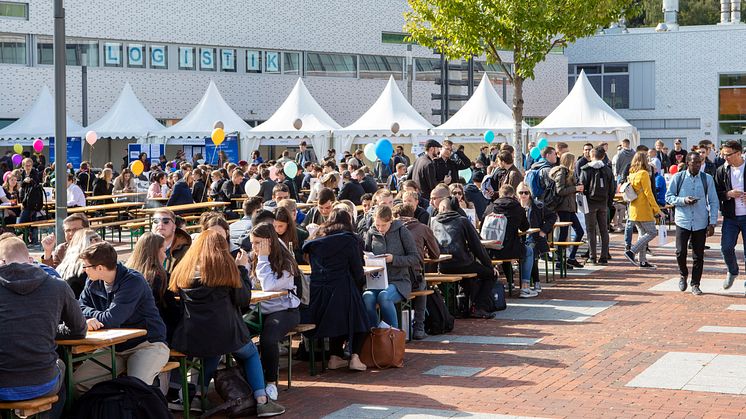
(672,123)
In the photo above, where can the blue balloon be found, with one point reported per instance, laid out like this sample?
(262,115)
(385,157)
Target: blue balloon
(489,137)
(384,150)
(543,143)
(535,153)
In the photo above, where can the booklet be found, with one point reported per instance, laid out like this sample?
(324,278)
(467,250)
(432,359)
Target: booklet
(376,280)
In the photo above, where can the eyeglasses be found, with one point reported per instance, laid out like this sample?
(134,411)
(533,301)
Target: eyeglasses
(89,266)
(457,193)
(729,154)
(524,193)
(165,221)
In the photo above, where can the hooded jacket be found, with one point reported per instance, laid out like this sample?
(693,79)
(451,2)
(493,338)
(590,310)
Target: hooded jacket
(541,219)
(565,188)
(399,243)
(457,236)
(128,305)
(212,324)
(181,194)
(32,304)
(474,195)
(424,239)
(353,191)
(513,247)
(623,159)
(592,191)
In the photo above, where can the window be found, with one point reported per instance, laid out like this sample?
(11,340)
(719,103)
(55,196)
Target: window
(291,63)
(186,58)
(112,54)
(136,55)
(610,81)
(381,67)
(616,91)
(228,60)
(330,65)
(14,10)
(207,61)
(12,49)
(494,72)
(732,104)
(271,62)
(673,123)
(4,122)
(74,51)
(253,61)
(394,38)
(159,57)
(426,69)
(733,80)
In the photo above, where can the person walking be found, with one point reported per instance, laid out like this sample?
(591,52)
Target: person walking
(693,194)
(598,183)
(730,180)
(643,209)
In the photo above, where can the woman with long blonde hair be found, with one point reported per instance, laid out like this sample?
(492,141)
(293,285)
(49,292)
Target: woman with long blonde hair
(566,207)
(71,266)
(214,288)
(642,210)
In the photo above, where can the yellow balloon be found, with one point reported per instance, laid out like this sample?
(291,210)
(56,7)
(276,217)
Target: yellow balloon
(18,148)
(137,167)
(218,136)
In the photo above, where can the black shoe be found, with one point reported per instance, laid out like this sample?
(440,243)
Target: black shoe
(707,247)
(591,262)
(575,263)
(627,247)
(586,255)
(682,283)
(696,290)
(647,264)
(567,266)
(648,251)
(602,261)
(630,256)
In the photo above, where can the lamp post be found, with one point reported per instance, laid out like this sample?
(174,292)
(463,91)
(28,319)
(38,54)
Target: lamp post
(60,130)
(84,86)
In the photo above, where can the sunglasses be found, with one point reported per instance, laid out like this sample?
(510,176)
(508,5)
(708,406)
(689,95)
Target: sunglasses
(164,221)
(524,193)
(458,193)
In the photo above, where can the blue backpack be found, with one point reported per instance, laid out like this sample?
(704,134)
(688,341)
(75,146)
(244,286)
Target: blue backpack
(542,188)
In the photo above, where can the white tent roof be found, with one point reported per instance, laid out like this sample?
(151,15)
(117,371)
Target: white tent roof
(198,123)
(127,118)
(390,107)
(38,121)
(485,110)
(298,105)
(583,112)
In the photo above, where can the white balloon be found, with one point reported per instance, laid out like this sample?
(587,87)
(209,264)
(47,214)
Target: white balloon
(252,187)
(370,152)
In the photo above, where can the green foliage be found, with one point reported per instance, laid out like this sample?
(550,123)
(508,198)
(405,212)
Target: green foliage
(691,12)
(530,28)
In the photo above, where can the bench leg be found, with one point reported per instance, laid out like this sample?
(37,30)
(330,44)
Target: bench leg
(312,354)
(290,361)
(185,399)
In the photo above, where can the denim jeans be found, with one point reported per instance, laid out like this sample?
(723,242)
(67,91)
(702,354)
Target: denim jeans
(628,230)
(731,228)
(386,300)
(573,217)
(527,265)
(251,364)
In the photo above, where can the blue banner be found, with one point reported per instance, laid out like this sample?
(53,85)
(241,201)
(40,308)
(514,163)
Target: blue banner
(154,152)
(229,146)
(74,151)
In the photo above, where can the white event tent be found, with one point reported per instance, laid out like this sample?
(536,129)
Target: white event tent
(484,111)
(376,122)
(127,118)
(198,124)
(317,125)
(38,122)
(584,116)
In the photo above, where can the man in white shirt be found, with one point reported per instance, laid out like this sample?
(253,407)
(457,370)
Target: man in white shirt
(729,184)
(75,195)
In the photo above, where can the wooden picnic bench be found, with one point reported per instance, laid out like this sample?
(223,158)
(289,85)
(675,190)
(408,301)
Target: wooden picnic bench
(27,408)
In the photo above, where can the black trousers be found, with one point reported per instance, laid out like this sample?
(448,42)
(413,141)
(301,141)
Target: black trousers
(276,326)
(478,290)
(698,237)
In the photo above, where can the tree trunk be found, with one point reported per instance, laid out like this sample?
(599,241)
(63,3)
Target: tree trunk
(518,118)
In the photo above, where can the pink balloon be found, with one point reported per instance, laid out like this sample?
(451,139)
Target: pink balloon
(17,159)
(38,145)
(91,137)
(273,173)
(6,176)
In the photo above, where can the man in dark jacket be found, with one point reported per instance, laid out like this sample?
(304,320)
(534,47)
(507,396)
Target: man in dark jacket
(118,297)
(367,181)
(199,193)
(305,155)
(599,188)
(351,188)
(584,159)
(181,194)
(730,181)
(32,305)
(266,186)
(457,236)
(449,163)
(473,193)
(400,157)
(233,188)
(423,171)
(84,177)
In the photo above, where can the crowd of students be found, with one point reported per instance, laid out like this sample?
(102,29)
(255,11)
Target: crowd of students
(189,292)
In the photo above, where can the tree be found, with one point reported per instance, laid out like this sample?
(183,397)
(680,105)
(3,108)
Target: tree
(691,12)
(530,28)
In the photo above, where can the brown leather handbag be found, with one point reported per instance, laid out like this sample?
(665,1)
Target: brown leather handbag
(383,348)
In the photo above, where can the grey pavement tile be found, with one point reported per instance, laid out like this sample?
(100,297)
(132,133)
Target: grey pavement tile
(554,310)
(711,389)
(484,340)
(723,329)
(707,285)
(696,372)
(364,411)
(737,307)
(394,412)
(453,371)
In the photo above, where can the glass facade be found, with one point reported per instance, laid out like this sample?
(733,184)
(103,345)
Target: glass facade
(610,81)
(331,65)
(381,67)
(13,10)
(291,63)
(74,51)
(12,49)
(425,69)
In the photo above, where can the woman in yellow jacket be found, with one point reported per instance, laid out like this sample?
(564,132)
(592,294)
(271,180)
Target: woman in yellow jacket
(643,210)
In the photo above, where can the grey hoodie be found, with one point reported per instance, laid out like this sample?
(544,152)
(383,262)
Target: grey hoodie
(623,159)
(32,305)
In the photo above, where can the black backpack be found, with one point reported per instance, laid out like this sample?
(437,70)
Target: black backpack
(33,197)
(437,318)
(600,188)
(122,398)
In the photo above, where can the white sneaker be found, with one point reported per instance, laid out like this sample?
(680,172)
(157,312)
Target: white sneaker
(271,391)
(528,293)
